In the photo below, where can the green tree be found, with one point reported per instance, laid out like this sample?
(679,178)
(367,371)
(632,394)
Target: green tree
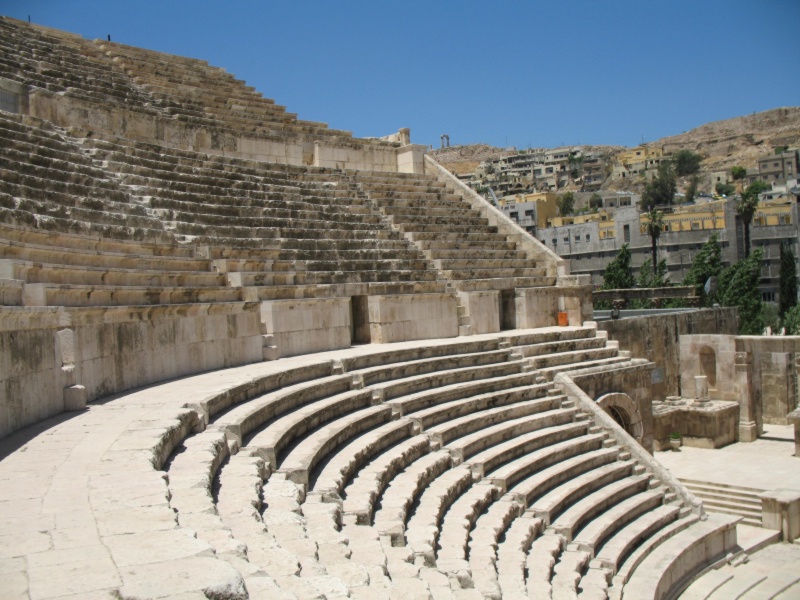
(724,189)
(791,321)
(565,203)
(650,279)
(660,191)
(618,274)
(691,191)
(706,263)
(746,207)
(738,286)
(686,162)
(596,201)
(787,292)
(738,173)
(654,227)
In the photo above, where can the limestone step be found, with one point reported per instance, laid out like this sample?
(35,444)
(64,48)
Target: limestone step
(403,491)
(552,504)
(511,462)
(47,294)
(339,471)
(672,563)
(594,505)
(371,481)
(595,533)
(468,425)
(281,432)
(459,520)
(540,483)
(301,461)
(422,530)
(44,273)
(727,499)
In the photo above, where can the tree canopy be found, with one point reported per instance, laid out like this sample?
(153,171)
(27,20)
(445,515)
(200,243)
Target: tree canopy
(738,173)
(706,263)
(686,162)
(660,191)
(618,274)
(746,207)
(738,286)
(654,227)
(565,204)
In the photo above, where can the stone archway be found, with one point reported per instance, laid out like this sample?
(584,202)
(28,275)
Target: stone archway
(624,410)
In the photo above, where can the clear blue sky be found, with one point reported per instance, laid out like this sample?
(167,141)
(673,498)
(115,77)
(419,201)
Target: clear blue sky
(506,73)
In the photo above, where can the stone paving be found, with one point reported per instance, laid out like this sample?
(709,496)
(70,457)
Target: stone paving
(768,463)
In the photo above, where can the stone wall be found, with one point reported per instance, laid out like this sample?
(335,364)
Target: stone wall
(282,148)
(307,326)
(713,357)
(657,338)
(56,359)
(710,426)
(399,318)
(634,381)
(774,366)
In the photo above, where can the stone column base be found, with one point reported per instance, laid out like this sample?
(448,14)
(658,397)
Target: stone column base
(748,431)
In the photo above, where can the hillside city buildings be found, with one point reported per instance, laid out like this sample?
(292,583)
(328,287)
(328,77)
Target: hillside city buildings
(527,184)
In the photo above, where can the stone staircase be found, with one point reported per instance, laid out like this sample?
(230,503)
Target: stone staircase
(727,499)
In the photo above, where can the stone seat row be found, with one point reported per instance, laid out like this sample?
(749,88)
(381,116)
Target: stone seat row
(60,64)
(299,418)
(442,227)
(173,159)
(210,82)
(284,538)
(443,498)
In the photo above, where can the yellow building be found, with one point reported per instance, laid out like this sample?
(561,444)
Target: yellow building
(640,154)
(696,217)
(600,216)
(773,212)
(546,206)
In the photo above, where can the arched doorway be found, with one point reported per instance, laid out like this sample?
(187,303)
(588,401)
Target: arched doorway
(625,412)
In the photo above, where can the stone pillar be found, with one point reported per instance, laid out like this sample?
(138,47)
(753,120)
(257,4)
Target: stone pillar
(794,418)
(743,372)
(701,389)
(780,511)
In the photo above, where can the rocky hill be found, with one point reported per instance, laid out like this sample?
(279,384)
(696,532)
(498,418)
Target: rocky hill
(739,141)
(723,144)
(465,159)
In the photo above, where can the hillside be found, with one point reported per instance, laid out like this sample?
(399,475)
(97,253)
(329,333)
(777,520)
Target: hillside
(738,141)
(723,144)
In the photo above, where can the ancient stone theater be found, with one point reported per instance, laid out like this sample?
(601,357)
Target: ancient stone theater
(244,355)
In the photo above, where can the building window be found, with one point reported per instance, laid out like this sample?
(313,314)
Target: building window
(588,237)
(577,239)
(555,242)
(626,233)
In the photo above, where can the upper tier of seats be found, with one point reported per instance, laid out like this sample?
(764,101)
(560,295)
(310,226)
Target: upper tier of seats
(153,83)
(285,231)
(289,231)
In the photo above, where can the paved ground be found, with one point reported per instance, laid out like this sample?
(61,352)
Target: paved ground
(768,463)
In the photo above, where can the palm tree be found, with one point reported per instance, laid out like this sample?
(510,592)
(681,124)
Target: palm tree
(654,227)
(746,207)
